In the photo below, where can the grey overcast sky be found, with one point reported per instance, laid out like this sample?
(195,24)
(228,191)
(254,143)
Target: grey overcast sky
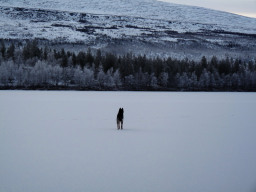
(241,7)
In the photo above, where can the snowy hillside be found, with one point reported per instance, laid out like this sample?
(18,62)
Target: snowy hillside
(129,25)
(146,9)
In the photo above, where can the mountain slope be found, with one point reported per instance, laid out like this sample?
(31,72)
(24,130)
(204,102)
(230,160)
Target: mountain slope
(141,26)
(144,8)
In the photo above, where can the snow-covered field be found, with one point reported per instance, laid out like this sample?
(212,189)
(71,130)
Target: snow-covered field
(66,141)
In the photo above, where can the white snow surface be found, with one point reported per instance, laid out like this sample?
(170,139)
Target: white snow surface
(66,141)
(150,27)
(151,9)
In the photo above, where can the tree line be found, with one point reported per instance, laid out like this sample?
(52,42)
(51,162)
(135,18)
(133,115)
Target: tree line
(30,66)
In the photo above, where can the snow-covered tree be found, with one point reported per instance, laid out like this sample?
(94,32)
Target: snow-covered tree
(193,81)
(183,81)
(117,78)
(7,73)
(235,79)
(3,49)
(129,80)
(163,79)
(204,81)
(88,78)
(153,81)
(4,74)
(100,77)
(78,76)
(55,74)
(109,81)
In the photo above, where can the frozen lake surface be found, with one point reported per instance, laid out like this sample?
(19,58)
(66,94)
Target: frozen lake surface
(66,141)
